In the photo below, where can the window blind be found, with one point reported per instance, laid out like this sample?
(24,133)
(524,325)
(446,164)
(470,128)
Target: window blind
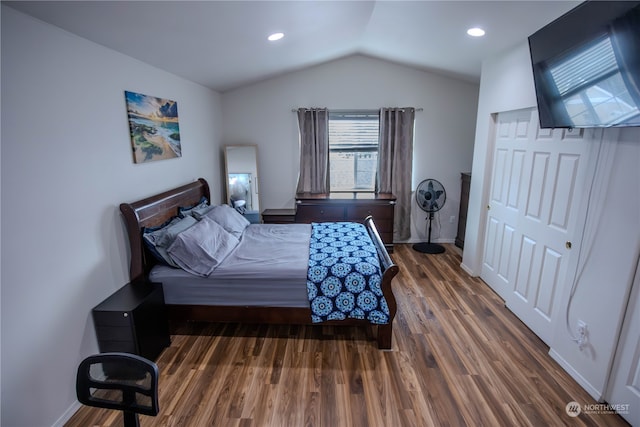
(353,130)
(585,68)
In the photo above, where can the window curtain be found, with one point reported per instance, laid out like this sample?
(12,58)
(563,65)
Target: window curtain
(314,150)
(395,164)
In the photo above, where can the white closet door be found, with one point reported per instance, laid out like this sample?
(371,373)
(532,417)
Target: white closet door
(538,174)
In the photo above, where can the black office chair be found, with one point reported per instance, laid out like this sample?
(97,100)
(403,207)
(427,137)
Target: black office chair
(122,381)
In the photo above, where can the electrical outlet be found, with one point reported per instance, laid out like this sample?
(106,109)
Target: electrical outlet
(583,334)
(452,218)
(582,328)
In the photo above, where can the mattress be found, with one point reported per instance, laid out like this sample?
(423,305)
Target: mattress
(268,268)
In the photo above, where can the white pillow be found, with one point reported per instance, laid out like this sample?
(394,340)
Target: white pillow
(230,219)
(201,248)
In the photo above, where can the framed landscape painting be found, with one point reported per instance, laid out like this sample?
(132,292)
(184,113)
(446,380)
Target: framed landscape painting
(153,126)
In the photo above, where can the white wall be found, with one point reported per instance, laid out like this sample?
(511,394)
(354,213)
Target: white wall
(506,84)
(607,267)
(261,114)
(602,289)
(66,165)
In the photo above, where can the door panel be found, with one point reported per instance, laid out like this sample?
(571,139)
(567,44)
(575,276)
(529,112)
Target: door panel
(523,278)
(537,175)
(536,185)
(517,166)
(500,174)
(565,185)
(548,282)
(505,256)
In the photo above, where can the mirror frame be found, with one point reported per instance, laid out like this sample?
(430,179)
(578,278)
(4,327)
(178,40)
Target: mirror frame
(255,195)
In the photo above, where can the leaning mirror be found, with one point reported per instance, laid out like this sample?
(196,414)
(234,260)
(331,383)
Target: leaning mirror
(241,163)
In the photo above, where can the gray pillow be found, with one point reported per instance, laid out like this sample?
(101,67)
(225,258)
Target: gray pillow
(201,248)
(229,219)
(197,211)
(162,238)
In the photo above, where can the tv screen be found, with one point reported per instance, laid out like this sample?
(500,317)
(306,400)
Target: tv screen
(586,66)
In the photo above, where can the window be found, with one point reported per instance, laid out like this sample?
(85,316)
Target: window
(353,150)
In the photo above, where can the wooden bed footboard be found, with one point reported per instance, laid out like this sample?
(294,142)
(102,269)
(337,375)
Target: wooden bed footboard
(156,210)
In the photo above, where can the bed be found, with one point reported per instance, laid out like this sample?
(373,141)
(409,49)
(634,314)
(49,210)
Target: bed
(269,300)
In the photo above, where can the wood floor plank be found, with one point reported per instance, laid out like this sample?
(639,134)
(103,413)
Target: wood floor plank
(459,358)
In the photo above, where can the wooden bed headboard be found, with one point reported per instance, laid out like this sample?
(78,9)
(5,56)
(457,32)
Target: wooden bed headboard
(153,211)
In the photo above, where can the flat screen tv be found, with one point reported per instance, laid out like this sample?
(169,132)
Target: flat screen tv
(586,66)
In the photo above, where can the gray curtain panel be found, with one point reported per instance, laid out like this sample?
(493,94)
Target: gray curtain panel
(395,164)
(314,150)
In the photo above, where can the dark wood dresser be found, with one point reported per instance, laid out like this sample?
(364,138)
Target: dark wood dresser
(133,320)
(464,206)
(349,207)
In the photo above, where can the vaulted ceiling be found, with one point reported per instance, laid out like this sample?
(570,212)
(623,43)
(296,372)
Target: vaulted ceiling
(223,44)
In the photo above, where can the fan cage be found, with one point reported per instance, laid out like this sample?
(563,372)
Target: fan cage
(442,197)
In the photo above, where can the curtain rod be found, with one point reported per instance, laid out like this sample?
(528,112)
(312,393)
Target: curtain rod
(295,110)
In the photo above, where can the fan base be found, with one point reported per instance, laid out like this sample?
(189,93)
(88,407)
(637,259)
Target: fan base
(428,248)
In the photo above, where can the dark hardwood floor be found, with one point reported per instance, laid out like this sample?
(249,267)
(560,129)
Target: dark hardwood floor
(459,358)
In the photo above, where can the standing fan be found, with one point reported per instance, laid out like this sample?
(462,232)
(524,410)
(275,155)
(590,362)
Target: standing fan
(430,196)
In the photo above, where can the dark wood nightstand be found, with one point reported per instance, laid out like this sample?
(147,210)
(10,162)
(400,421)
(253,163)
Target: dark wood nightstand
(278,216)
(133,320)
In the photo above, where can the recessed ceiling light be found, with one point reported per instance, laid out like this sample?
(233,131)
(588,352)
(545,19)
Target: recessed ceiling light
(275,36)
(475,32)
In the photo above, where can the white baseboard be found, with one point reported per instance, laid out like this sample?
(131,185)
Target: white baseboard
(594,392)
(467,270)
(67,414)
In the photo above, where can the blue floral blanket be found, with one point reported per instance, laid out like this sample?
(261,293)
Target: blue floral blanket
(344,276)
